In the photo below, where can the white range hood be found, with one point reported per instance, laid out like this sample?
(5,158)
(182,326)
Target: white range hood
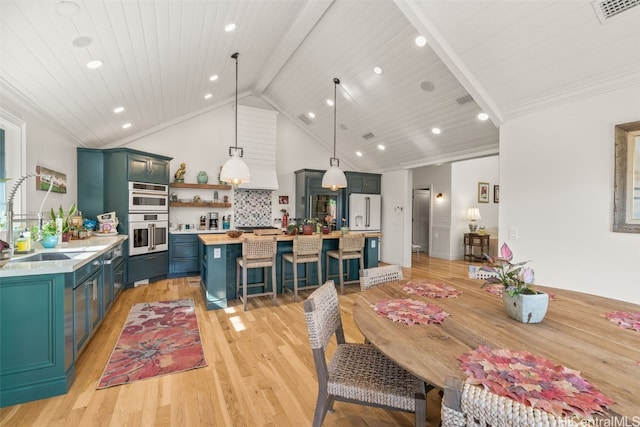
(261,179)
(257,137)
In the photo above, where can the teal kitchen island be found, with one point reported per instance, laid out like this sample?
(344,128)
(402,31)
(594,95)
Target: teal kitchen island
(218,254)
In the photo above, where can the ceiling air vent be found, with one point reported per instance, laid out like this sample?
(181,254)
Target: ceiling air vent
(607,9)
(304,119)
(464,99)
(368,135)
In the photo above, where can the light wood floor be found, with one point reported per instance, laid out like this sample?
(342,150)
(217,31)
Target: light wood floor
(260,369)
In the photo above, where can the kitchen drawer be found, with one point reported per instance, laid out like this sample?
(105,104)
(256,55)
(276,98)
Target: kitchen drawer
(147,266)
(86,270)
(185,265)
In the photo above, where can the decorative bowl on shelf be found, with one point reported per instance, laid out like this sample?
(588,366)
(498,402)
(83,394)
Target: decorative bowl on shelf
(234,233)
(49,242)
(184,200)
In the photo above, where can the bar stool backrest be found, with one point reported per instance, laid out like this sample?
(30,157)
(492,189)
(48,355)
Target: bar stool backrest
(259,247)
(307,245)
(351,242)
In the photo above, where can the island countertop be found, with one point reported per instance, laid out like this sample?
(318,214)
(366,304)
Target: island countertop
(81,251)
(223,239)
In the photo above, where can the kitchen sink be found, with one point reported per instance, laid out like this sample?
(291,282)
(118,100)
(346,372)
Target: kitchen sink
(47,256)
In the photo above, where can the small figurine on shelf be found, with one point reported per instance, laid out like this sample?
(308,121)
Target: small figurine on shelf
(215,197)
(179,176)
(226,199)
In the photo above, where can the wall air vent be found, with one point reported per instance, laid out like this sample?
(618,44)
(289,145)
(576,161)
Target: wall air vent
(368,135)
(464,99)
(607,9)
(304,119)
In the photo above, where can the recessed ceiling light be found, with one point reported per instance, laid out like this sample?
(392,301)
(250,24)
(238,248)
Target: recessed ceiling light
(126,126)
(359,153)
(437,131)
(421,41)
(118,110)
(330,102)
(207,96)
(81,41)
(311,115)
(213,78)
(483,116)
(380,147)
(92,65)
(377,70)
(230,27)
(67,8)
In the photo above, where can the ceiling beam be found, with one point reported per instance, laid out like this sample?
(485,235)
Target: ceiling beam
(305,22)
(419,19)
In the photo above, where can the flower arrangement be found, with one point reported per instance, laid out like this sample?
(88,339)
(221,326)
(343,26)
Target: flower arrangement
(515,277)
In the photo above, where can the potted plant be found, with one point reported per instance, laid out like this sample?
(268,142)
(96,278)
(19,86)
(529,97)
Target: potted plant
(66,226)
(521,301)
(309,225)
(48,234)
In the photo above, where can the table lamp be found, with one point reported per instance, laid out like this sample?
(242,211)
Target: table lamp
(473,214)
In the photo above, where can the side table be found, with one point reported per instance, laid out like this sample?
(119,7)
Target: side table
(475,246)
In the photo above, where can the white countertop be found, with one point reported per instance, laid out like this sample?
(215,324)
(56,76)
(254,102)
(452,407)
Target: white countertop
(84,251)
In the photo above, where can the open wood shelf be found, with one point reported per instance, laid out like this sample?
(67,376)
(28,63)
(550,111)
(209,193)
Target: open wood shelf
(199,205)
(205,186)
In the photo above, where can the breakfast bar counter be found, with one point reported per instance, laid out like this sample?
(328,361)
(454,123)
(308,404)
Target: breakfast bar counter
(218,254)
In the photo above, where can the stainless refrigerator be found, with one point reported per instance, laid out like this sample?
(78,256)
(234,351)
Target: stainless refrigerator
(364,212)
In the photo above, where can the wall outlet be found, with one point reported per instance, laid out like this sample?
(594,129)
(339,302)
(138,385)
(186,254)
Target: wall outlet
(513,233)
(217,253)
(373,243)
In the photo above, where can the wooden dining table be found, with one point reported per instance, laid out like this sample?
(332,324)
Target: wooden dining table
(574,333)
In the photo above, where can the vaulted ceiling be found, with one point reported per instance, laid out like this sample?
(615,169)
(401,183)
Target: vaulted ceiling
(503,58)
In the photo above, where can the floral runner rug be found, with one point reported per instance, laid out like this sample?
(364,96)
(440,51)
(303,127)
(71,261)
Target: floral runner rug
(158,338)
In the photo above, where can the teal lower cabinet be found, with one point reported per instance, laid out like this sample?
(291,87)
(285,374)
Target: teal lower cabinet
(183,255)
(218,268)
(36,338)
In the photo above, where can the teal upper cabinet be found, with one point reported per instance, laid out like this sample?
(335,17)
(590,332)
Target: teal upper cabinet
(148,168)
(359,182)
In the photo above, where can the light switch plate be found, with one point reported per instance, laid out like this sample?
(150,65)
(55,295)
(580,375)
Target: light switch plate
(513,233)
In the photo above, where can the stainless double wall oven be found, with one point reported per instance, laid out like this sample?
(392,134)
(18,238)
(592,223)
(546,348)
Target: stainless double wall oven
(148,218)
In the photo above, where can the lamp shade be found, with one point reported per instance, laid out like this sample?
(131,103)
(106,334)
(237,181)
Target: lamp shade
(473,214)
(334,178)
(235,171)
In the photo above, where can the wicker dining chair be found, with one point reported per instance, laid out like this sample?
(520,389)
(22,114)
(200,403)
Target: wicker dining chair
(257,252)
(306,250)
(350,246)
(356,373)
(466,405)
(374,276)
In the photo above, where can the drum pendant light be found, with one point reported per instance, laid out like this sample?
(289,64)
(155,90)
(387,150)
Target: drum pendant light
(235,171)
(334,178)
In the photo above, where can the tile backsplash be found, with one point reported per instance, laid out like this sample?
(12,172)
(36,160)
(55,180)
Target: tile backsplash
(252,208)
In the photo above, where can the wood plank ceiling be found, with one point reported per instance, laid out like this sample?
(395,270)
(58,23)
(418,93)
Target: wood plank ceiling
(510,57)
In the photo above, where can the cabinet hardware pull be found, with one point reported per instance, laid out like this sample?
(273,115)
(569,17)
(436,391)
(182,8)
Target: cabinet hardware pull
(95,289)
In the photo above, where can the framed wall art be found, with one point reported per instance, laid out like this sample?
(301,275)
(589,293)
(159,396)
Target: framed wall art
(283,200)
(48,177)
(483,192)
(496,194)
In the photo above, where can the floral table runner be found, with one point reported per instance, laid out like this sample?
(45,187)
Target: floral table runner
(624,319)
(430,289)
(409,311)
(533,381)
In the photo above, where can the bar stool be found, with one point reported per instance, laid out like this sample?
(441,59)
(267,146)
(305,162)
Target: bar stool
(257,252)
(350,246)
(306,250)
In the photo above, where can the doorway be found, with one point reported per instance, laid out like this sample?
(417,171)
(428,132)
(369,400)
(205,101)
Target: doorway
(421,221)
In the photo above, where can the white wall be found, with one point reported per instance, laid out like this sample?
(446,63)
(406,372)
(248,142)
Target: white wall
(45,144)
(395,244)
(557,169)
(465,176)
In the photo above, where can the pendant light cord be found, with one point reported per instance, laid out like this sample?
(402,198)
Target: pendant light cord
(336,82)
(235,56)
